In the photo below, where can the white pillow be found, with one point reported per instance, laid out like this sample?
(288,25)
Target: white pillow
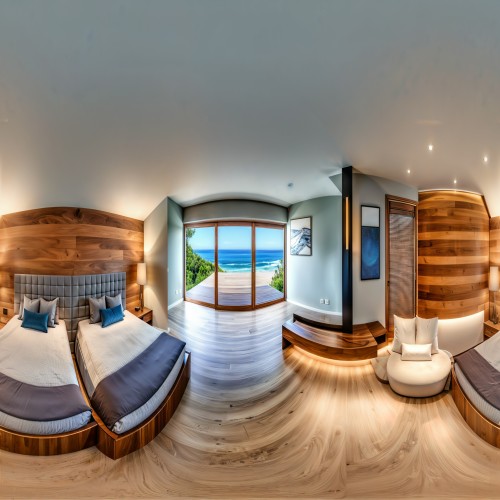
(416,352)
(32,305)
(404,332)
(51,307)
(427,333)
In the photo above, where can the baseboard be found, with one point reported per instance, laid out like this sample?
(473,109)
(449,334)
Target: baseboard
(334,313)
(176,303)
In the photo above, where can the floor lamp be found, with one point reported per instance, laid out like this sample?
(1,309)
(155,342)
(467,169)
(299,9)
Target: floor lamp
(141,281)
(494,285)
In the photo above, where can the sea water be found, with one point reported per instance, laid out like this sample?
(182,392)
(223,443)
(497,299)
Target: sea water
(240,261)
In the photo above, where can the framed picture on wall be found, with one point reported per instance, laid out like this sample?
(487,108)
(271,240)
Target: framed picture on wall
(301,236)
(370,243)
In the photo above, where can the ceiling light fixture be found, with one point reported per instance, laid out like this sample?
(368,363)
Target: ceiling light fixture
(430,147)
(408,171)
(290,185)
(454,181)
(485,159)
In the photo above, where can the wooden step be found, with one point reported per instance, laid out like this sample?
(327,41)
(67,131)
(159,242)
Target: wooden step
(361,344)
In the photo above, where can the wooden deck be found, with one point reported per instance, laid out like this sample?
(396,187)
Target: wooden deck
(235,290)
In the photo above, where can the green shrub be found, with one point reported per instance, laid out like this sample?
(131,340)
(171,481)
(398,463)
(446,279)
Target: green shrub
(278,279)
(198,269)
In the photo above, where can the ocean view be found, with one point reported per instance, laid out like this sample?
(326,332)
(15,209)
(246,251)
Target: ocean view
(239,261)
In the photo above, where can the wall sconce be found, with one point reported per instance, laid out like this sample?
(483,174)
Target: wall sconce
(494,285)
(141,280)
(347,222)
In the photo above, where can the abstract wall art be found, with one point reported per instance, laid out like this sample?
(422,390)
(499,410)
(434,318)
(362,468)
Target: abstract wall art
(370,243)
(301,236)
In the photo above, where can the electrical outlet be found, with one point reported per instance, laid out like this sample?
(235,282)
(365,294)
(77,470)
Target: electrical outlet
(321,301)
(5,311)
(327,302)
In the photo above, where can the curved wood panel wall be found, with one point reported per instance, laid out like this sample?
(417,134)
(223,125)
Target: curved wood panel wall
(70,241)
(453,254)
(495,251)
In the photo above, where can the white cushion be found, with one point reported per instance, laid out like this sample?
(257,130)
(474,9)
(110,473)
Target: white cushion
(30,305)
(404,332)
(427,333)
(416,352)
(419,378)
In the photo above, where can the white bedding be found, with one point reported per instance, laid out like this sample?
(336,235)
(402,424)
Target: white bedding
(490,351)
(42,359)
(102,351)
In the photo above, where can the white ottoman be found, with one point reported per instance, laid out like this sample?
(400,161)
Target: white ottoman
(418,379)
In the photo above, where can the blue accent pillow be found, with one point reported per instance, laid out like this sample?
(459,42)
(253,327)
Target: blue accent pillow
(35,321)
(110,316)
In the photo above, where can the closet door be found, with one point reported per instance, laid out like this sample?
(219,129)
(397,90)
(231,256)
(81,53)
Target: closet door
(401,252)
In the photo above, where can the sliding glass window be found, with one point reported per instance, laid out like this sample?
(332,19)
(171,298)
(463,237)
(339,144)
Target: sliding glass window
(237,265)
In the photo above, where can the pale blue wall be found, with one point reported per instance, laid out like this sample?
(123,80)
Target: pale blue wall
(320,275)
(175,252)
(235,210)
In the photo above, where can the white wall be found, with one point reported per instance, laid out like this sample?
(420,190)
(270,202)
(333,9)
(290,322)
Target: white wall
(156,258)
(320,275)
(369,295)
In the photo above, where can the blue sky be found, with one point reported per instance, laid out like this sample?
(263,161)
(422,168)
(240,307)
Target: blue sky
(237,238)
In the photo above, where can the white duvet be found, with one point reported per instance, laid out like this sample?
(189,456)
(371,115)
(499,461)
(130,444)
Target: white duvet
(102,351)
(42,359)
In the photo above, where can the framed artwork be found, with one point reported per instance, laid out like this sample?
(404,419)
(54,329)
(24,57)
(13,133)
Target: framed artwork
(370,243)
(301,236)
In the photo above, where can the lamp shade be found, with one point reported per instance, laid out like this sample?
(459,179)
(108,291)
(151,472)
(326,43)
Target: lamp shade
(494,279)
(141,273)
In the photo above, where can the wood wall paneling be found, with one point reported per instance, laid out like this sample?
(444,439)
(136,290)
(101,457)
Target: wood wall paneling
(494,246)
(453,254)
(68,241)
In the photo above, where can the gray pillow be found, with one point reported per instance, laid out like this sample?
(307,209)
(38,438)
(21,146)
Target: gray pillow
(31,305)
(114,301)
(50,306)
(95,306)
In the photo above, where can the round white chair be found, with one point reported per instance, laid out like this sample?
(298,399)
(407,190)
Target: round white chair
(418,379)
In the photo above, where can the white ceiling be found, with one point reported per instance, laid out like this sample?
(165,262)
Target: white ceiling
(116,104)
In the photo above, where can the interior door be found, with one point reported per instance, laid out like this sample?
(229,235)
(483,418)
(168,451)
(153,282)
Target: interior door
(401,257)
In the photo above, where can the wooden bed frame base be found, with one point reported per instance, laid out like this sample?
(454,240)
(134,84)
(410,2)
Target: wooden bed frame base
(118,445)
(53,444)
(96,433)
(483,427)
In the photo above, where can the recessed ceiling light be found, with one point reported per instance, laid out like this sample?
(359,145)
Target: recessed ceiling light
(485,159)
(290,185)
(430,147)
(454,181)
(408,171)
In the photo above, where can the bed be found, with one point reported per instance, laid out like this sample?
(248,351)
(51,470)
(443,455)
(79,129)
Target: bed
(132,400)
(49,414)
(476,388)
(132,351)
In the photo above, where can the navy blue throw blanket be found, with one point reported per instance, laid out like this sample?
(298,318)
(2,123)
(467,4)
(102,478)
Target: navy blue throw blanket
(133,385)
(482,376)
(40,404)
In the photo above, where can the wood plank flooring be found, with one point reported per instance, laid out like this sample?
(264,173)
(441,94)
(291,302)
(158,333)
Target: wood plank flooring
(257,422)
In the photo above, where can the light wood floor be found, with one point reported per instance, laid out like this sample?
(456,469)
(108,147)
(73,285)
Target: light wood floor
(255,422)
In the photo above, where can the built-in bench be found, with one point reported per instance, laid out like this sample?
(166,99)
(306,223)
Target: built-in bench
(320,334)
